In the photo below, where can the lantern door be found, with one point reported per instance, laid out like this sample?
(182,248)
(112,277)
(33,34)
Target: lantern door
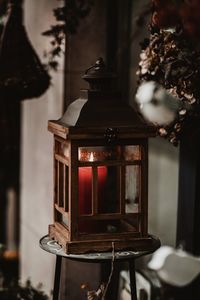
(109,190)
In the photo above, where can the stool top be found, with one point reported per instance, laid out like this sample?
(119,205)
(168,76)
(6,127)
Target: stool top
(51,246)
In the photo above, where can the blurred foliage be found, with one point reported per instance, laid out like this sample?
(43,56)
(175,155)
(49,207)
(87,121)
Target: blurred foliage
(16,291)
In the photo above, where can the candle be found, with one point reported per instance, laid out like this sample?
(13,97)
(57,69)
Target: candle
(85,190)
(85,179)
(101,187)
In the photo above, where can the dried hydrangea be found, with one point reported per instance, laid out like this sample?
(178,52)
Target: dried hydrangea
(171,60)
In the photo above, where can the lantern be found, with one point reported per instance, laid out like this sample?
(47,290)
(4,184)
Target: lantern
(101,170)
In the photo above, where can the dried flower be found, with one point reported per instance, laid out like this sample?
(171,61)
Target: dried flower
(162,132)
(172,13)
(166,14)
(171,60)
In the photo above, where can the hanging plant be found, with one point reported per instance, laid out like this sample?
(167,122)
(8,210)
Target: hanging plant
(171,58)
(68,19)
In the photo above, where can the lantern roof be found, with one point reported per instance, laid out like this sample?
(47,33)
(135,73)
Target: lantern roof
(99,108)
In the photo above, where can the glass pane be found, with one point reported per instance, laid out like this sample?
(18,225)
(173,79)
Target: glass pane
(132,152)
(132,188)
(60,184)
(65,219)
(57,216)
(61,218)
(62,148)
(131,223)
(85,190)
(99,153)
(108,226)
(108,189)
(66,189)
(99,226)
(56,163)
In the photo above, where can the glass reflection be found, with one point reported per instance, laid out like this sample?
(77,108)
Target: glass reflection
(132,192)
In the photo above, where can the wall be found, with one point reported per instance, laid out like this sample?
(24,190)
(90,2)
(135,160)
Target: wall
(163,190)
(163,157)
(36,156)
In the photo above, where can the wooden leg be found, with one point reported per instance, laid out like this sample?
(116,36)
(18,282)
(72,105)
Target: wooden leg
(57,277)
(132,279)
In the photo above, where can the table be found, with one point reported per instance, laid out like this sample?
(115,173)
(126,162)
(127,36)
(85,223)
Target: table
(53,247)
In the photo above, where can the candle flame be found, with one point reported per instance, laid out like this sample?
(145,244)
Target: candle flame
(91,158)
(79,154)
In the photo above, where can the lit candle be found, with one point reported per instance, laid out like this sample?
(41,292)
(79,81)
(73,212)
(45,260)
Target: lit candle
(85,190)
(85,187)
(85,181)
(101,187)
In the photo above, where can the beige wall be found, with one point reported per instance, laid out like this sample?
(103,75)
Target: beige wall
(163,190)
(36,156)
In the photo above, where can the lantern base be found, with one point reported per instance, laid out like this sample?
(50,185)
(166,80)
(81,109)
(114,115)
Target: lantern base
(147,243)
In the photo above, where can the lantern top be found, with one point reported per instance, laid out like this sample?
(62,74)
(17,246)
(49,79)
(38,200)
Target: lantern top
(99,108)
(98,77)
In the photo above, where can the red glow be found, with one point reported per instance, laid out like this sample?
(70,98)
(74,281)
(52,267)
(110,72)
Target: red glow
(85,187)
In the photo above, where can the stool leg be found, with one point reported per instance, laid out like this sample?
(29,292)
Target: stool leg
(112,292)
(57,277)
(132,279)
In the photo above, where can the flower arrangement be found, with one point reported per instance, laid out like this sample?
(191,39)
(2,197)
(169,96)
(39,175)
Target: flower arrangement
(171,58)
(172,13)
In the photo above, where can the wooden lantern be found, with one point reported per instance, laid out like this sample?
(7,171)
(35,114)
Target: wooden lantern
(101,171)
